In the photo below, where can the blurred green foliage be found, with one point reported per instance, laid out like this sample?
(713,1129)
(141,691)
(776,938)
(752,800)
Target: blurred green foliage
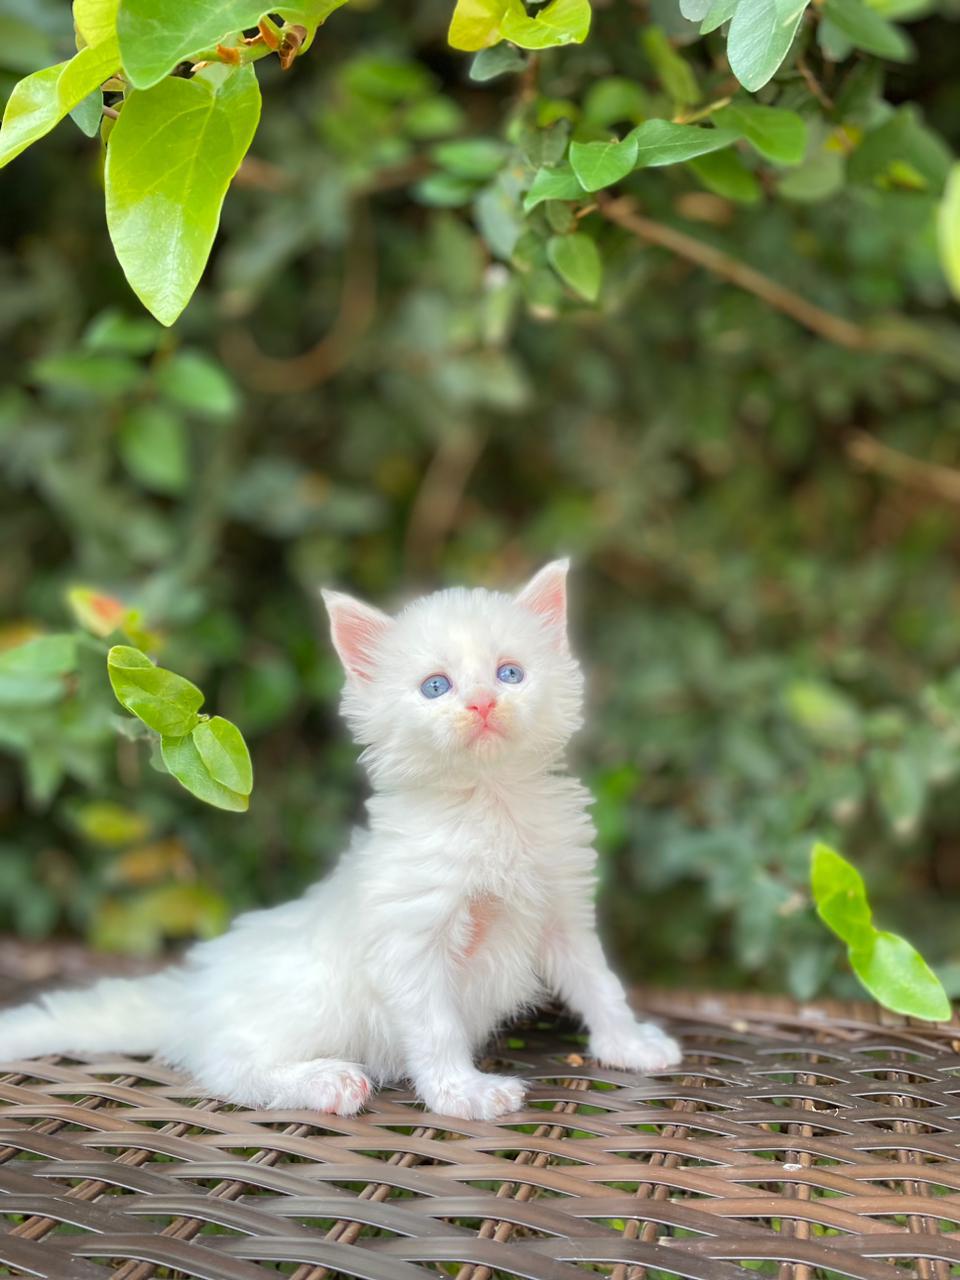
(385,382)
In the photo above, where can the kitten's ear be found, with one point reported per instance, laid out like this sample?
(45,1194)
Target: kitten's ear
(356,629)
(546,594)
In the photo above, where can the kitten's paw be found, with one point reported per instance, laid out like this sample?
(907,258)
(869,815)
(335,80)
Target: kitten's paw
(640,1047)
(342,1092)
(477,1096)
(325,1084)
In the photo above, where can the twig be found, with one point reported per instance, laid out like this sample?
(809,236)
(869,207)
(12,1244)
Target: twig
(327,356)
(844,333)
(814,85)
(881,459)
(440,494)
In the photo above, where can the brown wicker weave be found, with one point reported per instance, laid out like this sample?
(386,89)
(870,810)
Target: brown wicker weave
(809,1143)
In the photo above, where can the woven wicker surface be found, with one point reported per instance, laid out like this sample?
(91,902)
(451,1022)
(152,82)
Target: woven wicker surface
(805,1143)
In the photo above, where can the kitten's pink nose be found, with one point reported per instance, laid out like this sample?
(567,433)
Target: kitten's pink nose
(482,704)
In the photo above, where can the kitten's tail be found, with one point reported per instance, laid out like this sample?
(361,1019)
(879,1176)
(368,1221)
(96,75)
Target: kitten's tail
(130,1015)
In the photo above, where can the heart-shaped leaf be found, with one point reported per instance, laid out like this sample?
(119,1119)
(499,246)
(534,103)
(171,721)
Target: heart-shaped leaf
(560,22)
(867,29)
(40,101)
(662,142)
(183,759)
(476,24)
(163,700)
(779,136)
(897,975)
(224,752)
(95,20)
(552,184)
(576,260)
(170,159)
(761,33)
(601,164)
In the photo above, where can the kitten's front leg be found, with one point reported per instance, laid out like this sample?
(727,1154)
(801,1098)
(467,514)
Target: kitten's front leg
(436,1044)
(575,967)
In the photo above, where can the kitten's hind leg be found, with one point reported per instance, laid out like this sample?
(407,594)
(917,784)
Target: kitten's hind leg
(321,1084)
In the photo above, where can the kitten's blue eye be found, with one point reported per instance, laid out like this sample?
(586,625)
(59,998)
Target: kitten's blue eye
(435,686)
(510,673)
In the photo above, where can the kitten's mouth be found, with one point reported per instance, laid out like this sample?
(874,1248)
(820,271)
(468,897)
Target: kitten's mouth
(485,732)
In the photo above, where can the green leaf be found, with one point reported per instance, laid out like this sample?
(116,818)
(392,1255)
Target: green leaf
(170,159)
(194,381)
(576,260)
(760,37)
(224,752)
(824,712)
(31,674)
(901,143)
(308,13)
(139,924)
(497,214)
(661,142)
(111,824)
(164,701)
(720,12)
(54,655)
(840,896)
(433,117)
(612,99)
(474,158)
(673,71)
(695,10)
(387,78)
(866,29)
(724,173)
(113,331)
(501,60)
(601,164)
(444,191)
(948,230)
(819,177)
(98,375)
(153,446)
(42,100)
(157,34)
(779,136)
(88,113)
(552,184)
(831,873)
(901,781)
(476,24)
(897,975)
(183,759)
(887,965)
(557,23)
(95,20)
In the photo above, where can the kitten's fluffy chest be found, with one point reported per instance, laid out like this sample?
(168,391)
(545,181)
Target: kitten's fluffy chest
(491,840)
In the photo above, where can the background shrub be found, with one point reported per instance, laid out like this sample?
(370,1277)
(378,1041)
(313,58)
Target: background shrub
(390,380)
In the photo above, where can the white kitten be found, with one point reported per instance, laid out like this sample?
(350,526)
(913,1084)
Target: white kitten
(468,897)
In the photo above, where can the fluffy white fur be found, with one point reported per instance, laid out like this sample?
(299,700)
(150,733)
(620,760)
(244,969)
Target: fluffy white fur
(467,897)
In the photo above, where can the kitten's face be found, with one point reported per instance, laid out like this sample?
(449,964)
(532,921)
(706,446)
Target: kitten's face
(461,683)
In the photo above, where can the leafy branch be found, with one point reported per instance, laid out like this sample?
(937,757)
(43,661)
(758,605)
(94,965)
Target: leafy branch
(891,969)
(207,755)
(172,90)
